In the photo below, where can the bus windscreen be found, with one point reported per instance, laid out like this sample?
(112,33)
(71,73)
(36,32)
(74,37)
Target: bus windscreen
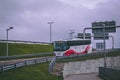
(60,46)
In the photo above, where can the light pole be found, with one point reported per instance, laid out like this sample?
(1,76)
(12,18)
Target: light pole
(7,38)
(50,30)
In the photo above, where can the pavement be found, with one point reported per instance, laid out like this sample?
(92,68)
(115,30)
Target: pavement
(85,76)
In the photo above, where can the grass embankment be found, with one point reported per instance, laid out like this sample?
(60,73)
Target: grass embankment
(88,57)
(20,49)
(32,72)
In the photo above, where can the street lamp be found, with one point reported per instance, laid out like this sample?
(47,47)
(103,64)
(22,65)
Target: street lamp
(7,37)
(50,30)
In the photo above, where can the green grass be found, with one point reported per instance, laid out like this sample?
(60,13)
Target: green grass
(32,72)
(19,49)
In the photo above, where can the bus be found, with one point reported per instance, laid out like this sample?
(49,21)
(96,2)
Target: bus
(70,47)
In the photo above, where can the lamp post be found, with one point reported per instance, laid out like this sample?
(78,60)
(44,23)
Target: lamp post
(7,39)
(50,30)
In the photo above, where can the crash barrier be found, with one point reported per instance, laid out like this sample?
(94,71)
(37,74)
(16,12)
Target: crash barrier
(24,63)
(52,63)
(110,73)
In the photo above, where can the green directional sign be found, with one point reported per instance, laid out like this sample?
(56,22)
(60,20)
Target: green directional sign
(100,46)
(109,27)
(87,35)
(100,36)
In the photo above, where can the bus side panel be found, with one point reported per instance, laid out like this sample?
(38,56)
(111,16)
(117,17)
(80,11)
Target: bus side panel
(82,49)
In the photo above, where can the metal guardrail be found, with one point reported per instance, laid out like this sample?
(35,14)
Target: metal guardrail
(24,63)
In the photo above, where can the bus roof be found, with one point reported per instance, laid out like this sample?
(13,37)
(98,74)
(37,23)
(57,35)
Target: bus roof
(76,42)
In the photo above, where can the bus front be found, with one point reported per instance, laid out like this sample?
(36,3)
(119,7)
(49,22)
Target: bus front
(60,47)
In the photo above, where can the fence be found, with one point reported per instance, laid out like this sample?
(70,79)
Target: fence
(24,63)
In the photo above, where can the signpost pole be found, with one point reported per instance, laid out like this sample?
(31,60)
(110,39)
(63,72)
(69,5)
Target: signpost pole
(112,42)
(104,45)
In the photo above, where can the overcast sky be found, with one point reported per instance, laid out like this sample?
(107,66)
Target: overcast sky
(30,18)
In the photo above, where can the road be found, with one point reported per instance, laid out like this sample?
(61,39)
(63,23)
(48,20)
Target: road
(7,62)
(85,76)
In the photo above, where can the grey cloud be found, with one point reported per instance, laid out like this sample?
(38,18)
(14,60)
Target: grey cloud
(30,18)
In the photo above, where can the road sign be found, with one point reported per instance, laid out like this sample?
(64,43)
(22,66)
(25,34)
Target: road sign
(87,35)
(100,46)
(109,27)
(100,36)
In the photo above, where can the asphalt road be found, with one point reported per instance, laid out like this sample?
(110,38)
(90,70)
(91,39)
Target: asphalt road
(7,62)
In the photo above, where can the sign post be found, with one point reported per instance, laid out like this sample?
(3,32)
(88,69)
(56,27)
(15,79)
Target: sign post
(104,45)
(104,28)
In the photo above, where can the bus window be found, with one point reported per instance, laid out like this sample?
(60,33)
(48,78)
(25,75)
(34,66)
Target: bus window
(78,42)
(60,46)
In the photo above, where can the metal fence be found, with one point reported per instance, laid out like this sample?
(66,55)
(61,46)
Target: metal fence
(24,63)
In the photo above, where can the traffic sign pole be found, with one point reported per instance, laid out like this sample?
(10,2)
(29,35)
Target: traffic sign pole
(104,45)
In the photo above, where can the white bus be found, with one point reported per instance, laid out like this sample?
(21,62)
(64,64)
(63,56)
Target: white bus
(69,47)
